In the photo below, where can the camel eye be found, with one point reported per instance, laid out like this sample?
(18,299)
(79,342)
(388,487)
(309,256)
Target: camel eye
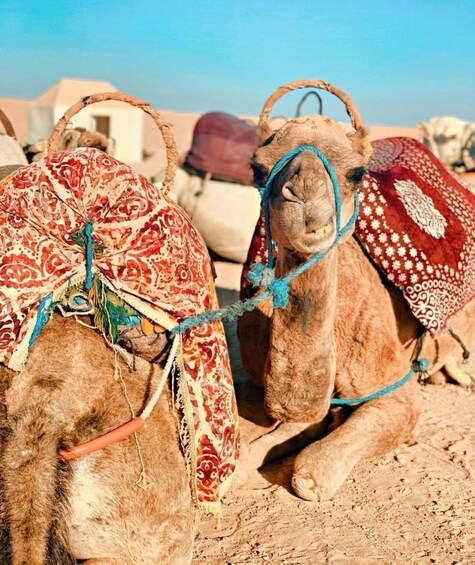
(356,175)
(259,173)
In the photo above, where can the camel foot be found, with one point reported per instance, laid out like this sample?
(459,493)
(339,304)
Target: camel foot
(285,438)
(458,375)
(318,473)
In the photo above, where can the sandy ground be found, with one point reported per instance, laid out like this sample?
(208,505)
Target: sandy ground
(416,505)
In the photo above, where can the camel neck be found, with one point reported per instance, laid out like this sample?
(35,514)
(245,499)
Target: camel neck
(302,349)
(312,295)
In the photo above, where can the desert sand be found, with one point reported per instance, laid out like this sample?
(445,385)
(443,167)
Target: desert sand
(414,506)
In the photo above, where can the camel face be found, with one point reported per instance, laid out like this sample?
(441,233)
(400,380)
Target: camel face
(302,200)
(302,206)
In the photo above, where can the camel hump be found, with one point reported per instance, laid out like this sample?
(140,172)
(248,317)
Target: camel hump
(34,481)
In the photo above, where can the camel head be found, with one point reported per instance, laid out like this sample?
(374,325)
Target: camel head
(302,201)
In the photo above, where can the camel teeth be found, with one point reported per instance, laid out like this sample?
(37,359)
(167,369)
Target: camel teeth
(324,230)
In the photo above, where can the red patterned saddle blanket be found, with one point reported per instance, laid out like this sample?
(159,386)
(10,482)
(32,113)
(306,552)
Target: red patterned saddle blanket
(147,253)
(417,223)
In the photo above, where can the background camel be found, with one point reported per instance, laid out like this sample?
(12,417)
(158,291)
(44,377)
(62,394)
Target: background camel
(451,140)
(13,156)
(345,331)
(71,139)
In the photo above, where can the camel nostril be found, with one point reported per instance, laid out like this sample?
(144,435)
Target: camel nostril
(289,194)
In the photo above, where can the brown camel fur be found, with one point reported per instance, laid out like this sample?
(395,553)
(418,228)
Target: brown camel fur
(94,508)
(345,331)
(71,139)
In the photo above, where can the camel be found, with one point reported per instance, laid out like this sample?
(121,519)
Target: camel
(451,140)
(95,508)
(70,139)
(108,363)
(346,331)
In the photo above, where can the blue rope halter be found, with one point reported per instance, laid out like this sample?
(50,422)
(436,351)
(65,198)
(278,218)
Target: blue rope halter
(263,275)
(266,190)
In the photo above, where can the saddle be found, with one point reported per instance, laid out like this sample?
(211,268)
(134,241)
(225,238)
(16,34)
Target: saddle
(222,147)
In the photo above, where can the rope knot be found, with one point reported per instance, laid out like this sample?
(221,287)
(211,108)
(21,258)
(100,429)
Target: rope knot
(420,365)
(279,289)
(264,277)
(260,275)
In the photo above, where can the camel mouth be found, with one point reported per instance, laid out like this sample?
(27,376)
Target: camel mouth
(315,241)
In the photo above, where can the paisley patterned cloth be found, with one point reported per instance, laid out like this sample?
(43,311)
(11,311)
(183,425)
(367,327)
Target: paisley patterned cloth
(417,223)
(146,251)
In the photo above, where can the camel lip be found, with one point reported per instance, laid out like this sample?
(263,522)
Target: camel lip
(315,242)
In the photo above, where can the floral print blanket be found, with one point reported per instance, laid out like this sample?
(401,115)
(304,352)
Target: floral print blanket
(146,251)
(417,223)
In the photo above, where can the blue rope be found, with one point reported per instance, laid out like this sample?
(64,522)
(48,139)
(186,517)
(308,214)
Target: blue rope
(263,275)
(89,253)
(42,317)
(419,366)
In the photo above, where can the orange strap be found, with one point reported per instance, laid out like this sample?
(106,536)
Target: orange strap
(100,442)
(123,431)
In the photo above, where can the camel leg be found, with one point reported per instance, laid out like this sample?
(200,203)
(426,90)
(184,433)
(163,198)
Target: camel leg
(456,373)
(372,430)
(286,438)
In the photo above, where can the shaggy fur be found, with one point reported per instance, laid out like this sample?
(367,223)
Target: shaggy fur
(90,509)
(70,139)
(345,331)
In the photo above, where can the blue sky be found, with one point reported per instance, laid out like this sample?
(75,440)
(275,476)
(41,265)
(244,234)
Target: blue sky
(402,62)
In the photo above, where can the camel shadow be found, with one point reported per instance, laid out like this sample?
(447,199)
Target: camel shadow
(227,296)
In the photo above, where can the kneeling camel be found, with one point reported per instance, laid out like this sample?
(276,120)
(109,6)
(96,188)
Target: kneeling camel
(346,331)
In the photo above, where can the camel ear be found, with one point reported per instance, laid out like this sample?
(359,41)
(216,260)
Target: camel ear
(361,144)
(425,129)
(69,139)
(264,131)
